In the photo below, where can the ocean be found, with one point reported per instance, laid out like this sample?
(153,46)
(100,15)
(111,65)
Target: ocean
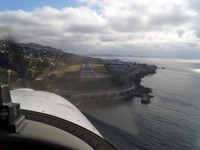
(170,122)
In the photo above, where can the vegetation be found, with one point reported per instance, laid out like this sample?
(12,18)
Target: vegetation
(91,84)
(46,68)
(99,68)
(3,76)
(8,76)
(71,59)
(73,68)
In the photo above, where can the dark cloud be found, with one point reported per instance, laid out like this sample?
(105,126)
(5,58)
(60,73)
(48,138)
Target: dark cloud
(85,28)
(180,33)
(5,29)
(127,24)
(173,19)
(107,38)
(194,4)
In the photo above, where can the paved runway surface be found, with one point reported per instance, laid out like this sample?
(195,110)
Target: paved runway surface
(87,70)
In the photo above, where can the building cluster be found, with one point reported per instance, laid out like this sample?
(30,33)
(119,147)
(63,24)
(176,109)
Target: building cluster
(35,58)
(118,65)
(40,53)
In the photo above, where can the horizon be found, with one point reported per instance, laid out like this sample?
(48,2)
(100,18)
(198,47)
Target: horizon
(148,28)
(117,55)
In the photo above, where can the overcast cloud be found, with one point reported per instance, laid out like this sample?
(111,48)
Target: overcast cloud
(147,27)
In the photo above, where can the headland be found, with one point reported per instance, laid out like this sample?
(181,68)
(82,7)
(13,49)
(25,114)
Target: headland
(77,78)
(96,80)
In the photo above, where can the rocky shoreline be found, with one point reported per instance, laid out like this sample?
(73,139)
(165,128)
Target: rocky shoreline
(145,91)
(135,78)
(140,88)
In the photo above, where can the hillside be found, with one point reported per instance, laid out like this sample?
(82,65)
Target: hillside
(29,61)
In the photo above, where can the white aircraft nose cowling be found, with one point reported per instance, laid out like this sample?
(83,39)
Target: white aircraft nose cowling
(52,104)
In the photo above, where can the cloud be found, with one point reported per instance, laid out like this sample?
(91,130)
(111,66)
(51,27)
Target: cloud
(109,26)
(4,30)
(194,4)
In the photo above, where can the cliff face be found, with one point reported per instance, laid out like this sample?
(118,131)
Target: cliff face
(135,75)
(148,70)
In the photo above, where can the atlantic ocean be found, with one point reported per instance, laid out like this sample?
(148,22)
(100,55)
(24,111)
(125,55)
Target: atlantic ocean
(171,121)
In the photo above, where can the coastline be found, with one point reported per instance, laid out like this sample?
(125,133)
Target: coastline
(131,78)
(140,88)
(136,78)
(169,111)
(145,91)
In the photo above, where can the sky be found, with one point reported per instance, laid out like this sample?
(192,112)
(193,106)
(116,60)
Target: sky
(161,28)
